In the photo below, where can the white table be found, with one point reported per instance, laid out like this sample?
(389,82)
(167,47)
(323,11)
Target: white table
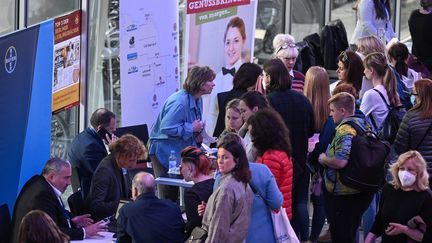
(175,180)
(106,237)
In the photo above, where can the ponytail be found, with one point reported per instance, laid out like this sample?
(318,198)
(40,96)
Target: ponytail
(390,84)
(401,67)
(399,52)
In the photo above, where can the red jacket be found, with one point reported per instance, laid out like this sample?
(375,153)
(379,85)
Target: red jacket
(280,164)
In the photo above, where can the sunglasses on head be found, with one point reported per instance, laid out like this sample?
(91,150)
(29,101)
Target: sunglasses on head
(344,58)
(285,46)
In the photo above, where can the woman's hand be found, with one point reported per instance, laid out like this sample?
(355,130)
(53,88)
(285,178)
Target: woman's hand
(396,229)
(201,208)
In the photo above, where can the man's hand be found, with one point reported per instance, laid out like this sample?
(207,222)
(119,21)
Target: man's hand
(94,229)
(112,139)
(82,220)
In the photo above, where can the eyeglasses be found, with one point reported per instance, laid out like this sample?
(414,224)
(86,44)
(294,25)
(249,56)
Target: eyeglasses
(285,46)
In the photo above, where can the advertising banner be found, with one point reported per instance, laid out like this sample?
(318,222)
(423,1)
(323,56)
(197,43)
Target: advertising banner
(67,49)
(25,106)
(219,34)
(149,58)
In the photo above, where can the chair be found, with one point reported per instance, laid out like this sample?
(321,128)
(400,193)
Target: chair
(5,223)
(76,203)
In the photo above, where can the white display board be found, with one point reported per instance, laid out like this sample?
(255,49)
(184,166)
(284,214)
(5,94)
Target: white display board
(149,58)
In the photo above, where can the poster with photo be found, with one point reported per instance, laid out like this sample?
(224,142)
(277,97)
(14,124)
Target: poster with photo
(67,49)
(219,34)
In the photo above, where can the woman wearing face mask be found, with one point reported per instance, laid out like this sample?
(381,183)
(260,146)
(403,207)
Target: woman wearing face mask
(407,196)
(415,131)
(233,42)
(195,166)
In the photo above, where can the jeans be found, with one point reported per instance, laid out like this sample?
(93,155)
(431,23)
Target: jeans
(165,192)
(318,217)
(300,220)
(369,215)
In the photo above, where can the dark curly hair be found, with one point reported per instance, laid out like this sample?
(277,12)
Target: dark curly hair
(241,170)
(269,131)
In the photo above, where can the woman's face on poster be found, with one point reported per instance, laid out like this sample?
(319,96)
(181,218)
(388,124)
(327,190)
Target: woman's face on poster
(233,45)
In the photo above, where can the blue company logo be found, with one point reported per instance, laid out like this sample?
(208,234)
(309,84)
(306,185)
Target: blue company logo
(11,59)
(131,27)
(132,56)
(132,69)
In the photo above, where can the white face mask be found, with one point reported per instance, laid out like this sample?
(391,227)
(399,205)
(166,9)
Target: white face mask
(406,178)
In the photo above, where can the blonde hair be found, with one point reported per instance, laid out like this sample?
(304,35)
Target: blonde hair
(422,179)
(284,44)
(369,44)
(317,91)
(343,100)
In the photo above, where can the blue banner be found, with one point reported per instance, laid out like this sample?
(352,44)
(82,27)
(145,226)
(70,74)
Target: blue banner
(26,69)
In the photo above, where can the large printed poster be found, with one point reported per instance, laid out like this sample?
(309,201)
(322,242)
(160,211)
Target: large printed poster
(149,58)
(219,34)
(67,47)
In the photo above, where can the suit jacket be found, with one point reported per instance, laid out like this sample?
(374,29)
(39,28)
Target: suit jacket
(85,153)
(37,193)
(107,188)
(149,219)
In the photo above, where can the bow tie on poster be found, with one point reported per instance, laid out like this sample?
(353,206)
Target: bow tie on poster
(231,71)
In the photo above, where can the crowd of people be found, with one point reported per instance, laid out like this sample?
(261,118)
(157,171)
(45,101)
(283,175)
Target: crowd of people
(283,139)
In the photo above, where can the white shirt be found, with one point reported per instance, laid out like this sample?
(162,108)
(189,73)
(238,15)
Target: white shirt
(372,103)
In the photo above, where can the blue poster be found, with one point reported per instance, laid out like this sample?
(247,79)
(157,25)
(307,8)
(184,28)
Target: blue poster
(25,106)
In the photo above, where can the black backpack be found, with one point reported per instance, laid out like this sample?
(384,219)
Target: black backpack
(368,161)
(390,126)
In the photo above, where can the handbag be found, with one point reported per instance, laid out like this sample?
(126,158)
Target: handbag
(198,235)
(283,231)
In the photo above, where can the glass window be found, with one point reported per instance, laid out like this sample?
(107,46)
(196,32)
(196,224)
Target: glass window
(104,57)
(40,10)
(343,10)
(7,16)
(269,23)
(307,17)
(407,6)
(64,127)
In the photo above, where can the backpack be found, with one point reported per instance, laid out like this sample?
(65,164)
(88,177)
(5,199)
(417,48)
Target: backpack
(390,126)
(367,163)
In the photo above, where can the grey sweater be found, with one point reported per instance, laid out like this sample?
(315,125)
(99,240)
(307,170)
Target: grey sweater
(228,211)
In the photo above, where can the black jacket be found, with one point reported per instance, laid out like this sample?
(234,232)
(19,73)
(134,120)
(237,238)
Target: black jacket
(37,193)
(107,188)
(150,219)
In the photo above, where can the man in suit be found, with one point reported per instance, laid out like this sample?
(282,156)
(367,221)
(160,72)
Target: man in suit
(149,219)
(43,192)
(88,147)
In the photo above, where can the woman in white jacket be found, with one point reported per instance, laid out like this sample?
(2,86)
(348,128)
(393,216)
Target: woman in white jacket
(373,18)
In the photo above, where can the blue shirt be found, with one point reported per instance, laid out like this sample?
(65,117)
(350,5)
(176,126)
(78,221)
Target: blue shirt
(173,127)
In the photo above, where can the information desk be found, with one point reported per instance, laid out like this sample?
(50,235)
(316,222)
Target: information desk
(106,237)
(175,180)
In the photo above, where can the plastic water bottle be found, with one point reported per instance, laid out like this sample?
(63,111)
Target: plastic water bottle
(172,163)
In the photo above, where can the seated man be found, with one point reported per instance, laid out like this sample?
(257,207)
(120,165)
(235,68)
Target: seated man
(111,182)
(149,219)
(43,192)
(88,148)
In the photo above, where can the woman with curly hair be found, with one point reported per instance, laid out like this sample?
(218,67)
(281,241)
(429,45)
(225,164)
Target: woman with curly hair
(270,137)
